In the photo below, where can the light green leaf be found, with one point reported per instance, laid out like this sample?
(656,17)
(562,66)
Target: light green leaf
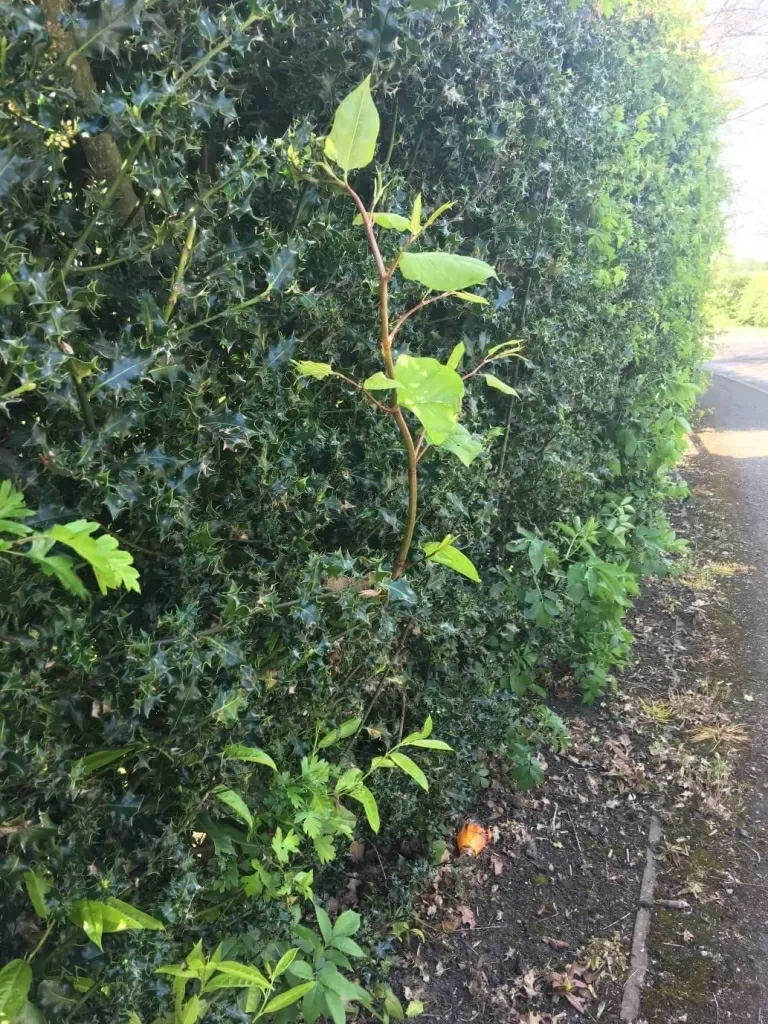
(290,996)
(415,1008)
(511,347)
(238,752)
(352,141)
(381,382)
(393,1006)
(437,213)
(471,297)
(59,566)
(364,796)
(346,945)
(335,1006)
(415,224)
(284,962)
(308,368)
(133,1018)
(324,848)
(194,1009)
(499,385)
(87,914)
(8,290)
(234,802)
(119,917)
(324,923)
(31,1014)
(390,221)
(429,744)
(38,887)
(444,271)
(346,924)
(100,759)
(15,982)
(12,504)
(234,975)
(432,392)
(342,732)
(410,768)
(463,445)
(456,356)
(444,553)
(111,566)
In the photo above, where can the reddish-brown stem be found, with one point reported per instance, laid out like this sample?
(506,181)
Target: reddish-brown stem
(364,393)
(415,309)
(385,344)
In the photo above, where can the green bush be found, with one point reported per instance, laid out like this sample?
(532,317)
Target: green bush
(166,256)
(752,307)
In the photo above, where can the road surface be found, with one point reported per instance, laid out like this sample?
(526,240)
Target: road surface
(733,444)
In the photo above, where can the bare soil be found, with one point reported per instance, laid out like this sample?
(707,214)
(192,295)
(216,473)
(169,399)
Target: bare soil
(538,928)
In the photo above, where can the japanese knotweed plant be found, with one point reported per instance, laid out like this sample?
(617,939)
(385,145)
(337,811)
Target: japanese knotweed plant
(422,386)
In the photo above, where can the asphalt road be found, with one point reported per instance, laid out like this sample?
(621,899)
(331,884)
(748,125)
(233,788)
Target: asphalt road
(733,444)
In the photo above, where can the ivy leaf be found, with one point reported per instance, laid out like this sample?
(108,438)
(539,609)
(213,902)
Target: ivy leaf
(499,385)
(390,221)
(463,445)
(238,752)
(111,566)
(15,982)
(444,271)
(308,368)
(235,803)
(444,553)
(355,130)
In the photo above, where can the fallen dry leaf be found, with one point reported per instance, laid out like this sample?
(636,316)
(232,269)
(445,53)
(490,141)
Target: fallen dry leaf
(497,864)
(467,915)
(555,943)
(356,851)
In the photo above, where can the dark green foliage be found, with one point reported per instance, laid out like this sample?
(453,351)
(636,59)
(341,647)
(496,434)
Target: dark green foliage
(147,386)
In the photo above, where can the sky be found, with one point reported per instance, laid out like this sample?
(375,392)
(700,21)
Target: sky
(737,34)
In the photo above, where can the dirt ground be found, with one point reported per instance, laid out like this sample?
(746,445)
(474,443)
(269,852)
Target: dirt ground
(538,929)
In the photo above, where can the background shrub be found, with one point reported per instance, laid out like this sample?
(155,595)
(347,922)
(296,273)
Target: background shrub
(578,147)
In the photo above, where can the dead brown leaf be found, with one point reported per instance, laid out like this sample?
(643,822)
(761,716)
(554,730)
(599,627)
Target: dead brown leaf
(467,915)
